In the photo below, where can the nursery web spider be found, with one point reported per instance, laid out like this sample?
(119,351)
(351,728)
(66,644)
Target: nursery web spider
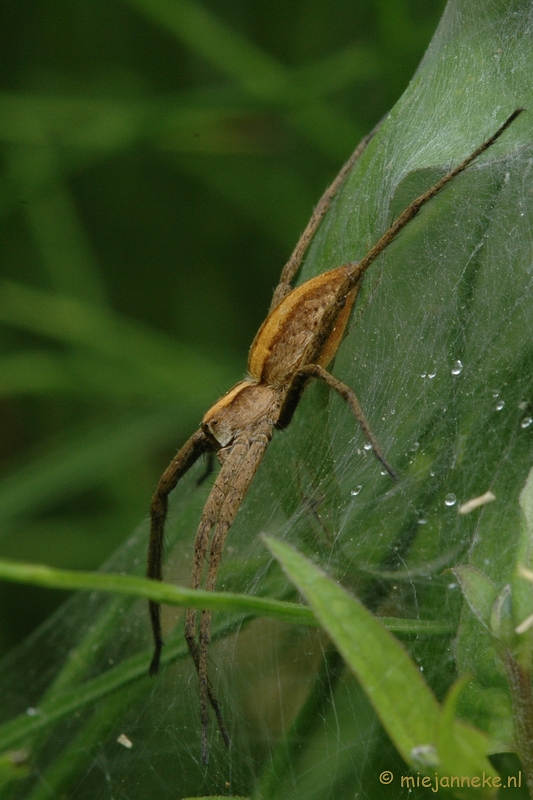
(295,343)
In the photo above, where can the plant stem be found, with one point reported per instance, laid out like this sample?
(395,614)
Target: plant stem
(520,684)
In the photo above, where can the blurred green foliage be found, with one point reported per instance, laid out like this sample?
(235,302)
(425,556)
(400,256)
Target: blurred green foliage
(158,160)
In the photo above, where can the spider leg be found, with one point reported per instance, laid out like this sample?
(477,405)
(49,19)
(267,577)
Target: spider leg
(209,516)
(238,470)
(359,268)
(180,464)
(348,395)
(293,264)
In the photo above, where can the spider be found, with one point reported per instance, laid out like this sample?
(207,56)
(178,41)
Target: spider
(295,344)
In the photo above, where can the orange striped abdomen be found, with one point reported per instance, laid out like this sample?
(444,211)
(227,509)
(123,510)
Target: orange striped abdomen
(291,330)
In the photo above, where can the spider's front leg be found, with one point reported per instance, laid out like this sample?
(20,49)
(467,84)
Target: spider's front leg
(240,461)
(292,266)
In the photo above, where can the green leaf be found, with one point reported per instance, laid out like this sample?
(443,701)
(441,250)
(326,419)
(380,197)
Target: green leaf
(41,575)
(463,749)
(502,618)
(479,591)
(526,504)
(392,681)
(389,677)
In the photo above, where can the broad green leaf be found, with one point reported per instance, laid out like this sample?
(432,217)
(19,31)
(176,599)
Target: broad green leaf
(407,709)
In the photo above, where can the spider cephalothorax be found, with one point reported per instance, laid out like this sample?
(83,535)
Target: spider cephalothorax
(295,344)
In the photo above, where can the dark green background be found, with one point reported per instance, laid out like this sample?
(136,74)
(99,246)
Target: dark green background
(161,172)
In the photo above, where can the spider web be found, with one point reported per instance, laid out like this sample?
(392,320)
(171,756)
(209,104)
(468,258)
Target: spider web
(439,352)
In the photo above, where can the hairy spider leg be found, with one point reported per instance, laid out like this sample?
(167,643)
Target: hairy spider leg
(180,464)
(239,465)
(357,269)
(292,266)
(210,515)
(349,397)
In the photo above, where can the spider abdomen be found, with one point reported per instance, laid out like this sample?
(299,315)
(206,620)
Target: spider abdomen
(293,332)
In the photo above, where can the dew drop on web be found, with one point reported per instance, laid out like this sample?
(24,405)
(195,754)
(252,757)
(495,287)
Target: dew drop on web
(457,367)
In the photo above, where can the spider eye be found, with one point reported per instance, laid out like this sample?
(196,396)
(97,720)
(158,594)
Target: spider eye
(211,429)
